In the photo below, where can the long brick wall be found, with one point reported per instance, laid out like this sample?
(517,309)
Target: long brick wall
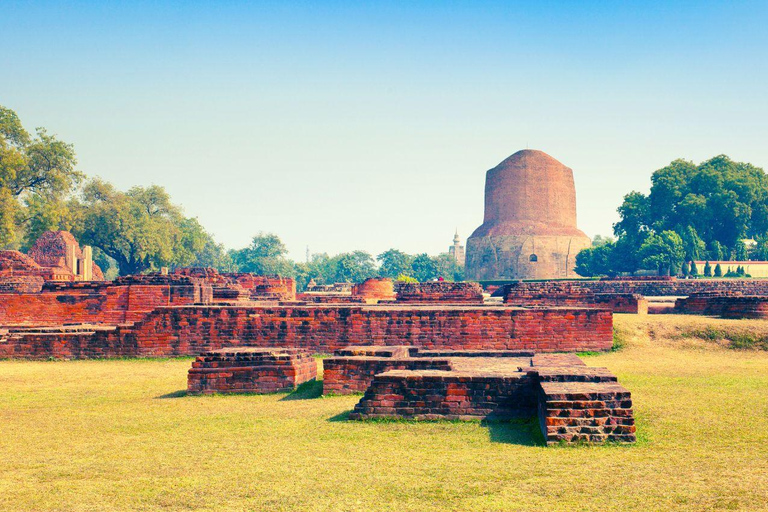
(571,293)
(97,302)
(190,330)
(679,287)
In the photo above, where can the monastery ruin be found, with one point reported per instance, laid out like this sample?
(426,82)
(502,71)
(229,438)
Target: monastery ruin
(416,350)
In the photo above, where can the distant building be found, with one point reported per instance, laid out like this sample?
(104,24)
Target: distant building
(529,228)
(457,250)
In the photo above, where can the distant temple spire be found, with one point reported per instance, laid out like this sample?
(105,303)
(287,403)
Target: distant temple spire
(457,250)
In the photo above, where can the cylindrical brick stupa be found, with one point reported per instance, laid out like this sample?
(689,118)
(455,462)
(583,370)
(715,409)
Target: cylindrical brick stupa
(529,229)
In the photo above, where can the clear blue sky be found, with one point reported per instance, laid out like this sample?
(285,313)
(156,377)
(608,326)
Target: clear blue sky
(371,125)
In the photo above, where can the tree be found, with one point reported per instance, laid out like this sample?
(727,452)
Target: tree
(662,252)
(140,229)
(393,263)
(424,268)
(717,251)
(266,255)
(685,270)
(596,261)
(718,271)
(694,268)
(448,268)
(354,267)
(708,269)
(37,175)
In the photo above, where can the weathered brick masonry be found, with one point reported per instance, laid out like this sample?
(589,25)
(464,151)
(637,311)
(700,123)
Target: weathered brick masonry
(190,330)
(125,300)
(571,293)
(247,369)
(592,412)
(440,292)
(575,402)
(678,287)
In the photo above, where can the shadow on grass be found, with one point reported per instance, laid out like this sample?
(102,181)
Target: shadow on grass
(523,432)
(306,391)
(176,394)
(344,416)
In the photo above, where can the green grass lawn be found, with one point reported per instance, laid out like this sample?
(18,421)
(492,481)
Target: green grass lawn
(120,434)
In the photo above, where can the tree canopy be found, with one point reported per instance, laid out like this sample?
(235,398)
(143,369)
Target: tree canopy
(711,207)
(37,177)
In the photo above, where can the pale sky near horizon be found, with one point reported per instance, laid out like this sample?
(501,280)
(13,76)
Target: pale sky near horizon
(370,125)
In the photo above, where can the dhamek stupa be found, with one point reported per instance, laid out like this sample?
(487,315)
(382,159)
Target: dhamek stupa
(529,229)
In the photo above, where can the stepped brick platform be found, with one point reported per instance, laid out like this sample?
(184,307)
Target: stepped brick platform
(250,370)
(593,412)
(575,402)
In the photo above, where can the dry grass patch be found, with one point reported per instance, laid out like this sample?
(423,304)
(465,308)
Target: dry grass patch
(99,435)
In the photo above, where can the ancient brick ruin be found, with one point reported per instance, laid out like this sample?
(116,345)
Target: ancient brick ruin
(529,228)
(440,292)
(189,330)
(55,257)
(574,402)
(572,293)
(248,369)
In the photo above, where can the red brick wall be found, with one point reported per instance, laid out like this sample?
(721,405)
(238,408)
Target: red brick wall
(190,330)
(572,293)
(343,375)
(96,303)
(437,292)
(444,395)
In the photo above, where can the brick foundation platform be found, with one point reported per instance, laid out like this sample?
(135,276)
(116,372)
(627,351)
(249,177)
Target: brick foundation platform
(250,370)
(730,305)
(575,403)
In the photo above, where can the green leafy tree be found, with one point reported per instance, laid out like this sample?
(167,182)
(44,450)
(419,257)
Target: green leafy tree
(140,229)
(685,270)
(424,268)
(354,267)
(37,176)
(662,252)
(716,251)
(694,269)
(266,255)
(448,268)
(708,269)
(393,263)
(596,261)
(718,270)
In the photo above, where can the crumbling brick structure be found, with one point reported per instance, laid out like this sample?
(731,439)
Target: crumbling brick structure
(59,253)
(575,403)
(374,290)
(125,300)
(249,369)
(439,292)
(571,293)
(229,287)
(659,286)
